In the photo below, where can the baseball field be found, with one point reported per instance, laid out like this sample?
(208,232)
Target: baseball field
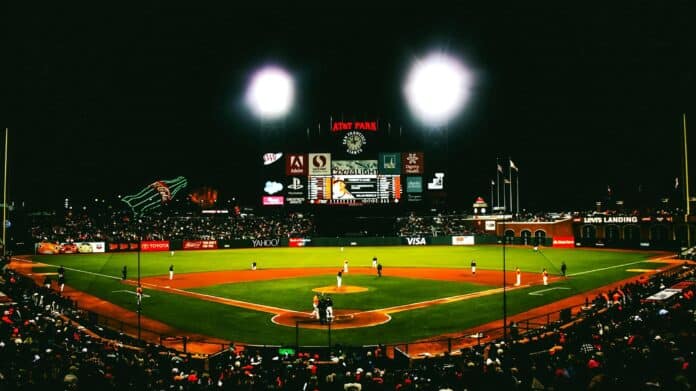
(424,292)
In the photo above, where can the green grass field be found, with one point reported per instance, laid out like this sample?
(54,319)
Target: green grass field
(99,275)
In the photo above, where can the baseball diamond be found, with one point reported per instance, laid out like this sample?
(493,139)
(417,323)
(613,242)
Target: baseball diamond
(424,293)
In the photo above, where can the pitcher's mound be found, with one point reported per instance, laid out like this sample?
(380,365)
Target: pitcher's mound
(343,319)
(336,290)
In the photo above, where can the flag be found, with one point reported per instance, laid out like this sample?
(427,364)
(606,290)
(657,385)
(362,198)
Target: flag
(676,183)
(500,168)
(492,182)
(154,194)
(608,189)
(513,166)
(507,181)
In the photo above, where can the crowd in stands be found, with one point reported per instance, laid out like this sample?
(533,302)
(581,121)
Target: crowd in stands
(622,341)
(122,227)
(439,225)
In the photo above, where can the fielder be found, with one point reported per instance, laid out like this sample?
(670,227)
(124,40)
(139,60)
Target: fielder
(546,277)
(518,277)
(339,278)
(345,266)
(315,304)
(171,272)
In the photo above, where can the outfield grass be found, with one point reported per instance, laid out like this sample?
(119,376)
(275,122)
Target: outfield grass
(588,269)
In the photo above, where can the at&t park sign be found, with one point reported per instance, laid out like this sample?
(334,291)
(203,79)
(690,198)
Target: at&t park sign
(610,220)
(340,126)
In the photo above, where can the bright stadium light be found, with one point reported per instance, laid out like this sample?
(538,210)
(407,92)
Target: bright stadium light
(437,87)
(270,93)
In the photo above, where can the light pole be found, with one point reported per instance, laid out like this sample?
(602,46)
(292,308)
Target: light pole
(504,285)
(139,298)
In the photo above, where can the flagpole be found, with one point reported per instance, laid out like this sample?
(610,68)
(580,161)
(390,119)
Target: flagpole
(4,199)
(497,186)
(492,184)
(510,175)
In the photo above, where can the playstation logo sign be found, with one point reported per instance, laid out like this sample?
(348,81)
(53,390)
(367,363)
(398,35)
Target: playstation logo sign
(296,184)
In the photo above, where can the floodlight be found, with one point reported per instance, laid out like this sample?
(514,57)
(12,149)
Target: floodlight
(437,87)
(270,93)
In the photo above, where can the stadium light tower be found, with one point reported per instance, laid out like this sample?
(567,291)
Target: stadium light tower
(270,93)
(437,88)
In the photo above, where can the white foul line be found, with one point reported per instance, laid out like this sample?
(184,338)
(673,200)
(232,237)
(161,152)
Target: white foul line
(92,273)
(538,293)
(607,268)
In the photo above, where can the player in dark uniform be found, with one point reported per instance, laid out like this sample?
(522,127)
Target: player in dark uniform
(322,309)
(563,268)
(124,272)
(379,270)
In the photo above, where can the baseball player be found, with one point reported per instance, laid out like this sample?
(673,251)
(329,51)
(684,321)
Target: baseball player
(124,272)
(61,282)
(345,266)
(473,267)
(329,309)
(564,268)
(518,276)
(374,262)
(171,271)
(139,295)
(545,275)
(315,304)
(339,278)
(379,270)
(253,265)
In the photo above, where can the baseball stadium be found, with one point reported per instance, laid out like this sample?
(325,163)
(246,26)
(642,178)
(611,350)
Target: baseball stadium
(347,198)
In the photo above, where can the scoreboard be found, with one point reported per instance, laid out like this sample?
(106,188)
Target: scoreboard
(335,182)
(351,170)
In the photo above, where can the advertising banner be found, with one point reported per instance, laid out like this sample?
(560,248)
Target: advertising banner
(155,245)
(296,164)
(389,163)
(490,225)
(122,247)
(265,242)
(296,190)
(462,240)
(564,241)
(319,164)
(298,242)
(414,184)
(354,167)
(200,244)
(415,241)
(91,247)
(273,200)
(68,248)
(47,248)
(412,162)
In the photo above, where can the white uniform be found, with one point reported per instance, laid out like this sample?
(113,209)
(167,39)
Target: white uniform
(374,263)
(345,266)
(339,280)
(518,278)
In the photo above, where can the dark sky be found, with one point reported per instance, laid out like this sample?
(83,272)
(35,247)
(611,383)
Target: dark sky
(102,101)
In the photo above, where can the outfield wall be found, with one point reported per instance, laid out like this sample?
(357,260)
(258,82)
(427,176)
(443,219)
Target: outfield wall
(321,241)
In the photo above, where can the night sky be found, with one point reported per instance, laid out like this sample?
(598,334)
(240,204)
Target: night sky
(102,101)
